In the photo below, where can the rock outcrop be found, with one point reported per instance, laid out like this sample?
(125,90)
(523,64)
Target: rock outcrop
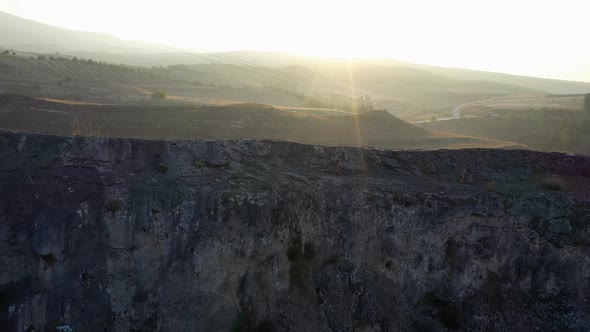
(102,234)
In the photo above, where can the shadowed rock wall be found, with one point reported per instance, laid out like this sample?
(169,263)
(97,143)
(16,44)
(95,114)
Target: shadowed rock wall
(101,234)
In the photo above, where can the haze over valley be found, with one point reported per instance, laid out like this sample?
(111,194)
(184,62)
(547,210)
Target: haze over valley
(83,67)
(294,166)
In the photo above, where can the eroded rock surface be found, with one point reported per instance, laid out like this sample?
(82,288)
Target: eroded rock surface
(101,234)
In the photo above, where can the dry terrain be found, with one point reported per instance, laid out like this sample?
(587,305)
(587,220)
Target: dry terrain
(239,121)
(523,103)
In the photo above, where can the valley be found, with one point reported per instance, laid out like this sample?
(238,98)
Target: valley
(296,175)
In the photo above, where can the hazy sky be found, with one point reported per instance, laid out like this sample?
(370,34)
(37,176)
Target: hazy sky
(530,37)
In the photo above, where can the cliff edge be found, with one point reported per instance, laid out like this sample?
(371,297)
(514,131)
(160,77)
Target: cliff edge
(114,234)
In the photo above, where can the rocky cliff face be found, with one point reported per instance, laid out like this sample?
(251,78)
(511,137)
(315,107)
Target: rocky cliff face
(102,234)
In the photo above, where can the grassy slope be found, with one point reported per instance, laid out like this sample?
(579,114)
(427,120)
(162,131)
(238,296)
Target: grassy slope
(21,68)
(417,88)
(549,85)
(28,35)
(66,79)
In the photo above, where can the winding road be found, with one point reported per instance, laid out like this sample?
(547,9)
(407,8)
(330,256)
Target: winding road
(456,113)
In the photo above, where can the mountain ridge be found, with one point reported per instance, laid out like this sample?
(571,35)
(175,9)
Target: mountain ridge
(14,29)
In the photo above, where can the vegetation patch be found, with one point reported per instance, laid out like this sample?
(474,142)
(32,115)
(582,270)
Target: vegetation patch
(553,182)
(451,253)
(492,186)
(162,168)
(114,205)
(300,256)
(199,164)
(159,95)
(46,164)
(237,325)
(265,326)
(332,260)
(49,259)
(444,311)
(85,127)
(84,278)
(580,228)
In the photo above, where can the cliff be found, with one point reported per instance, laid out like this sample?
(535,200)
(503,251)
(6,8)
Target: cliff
(100,234)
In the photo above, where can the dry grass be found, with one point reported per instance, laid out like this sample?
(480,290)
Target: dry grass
(208,101)
(84,127)
(68,102)
(524,103)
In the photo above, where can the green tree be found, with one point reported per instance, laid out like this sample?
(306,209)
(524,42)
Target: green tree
(587,102)
(159,95)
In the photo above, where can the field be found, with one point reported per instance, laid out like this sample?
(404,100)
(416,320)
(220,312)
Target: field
(240,121)
(513,103)
(546,129)
(326,103)
(409,93)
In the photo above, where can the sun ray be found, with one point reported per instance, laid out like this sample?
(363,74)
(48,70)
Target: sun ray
(357,129)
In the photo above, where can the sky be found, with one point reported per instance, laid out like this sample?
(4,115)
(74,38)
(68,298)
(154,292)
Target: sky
(528,37)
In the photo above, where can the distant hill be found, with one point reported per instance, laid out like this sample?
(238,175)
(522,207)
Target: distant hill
(82,80)
(172,56)
(55,69)
(549,85)
(413,92)
(391,86)
(28,35)
(388,80)
(324,85)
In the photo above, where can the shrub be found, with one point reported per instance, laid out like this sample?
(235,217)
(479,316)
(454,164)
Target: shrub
(295,250)
(49,259)
(162,168)
(237,325)
(46,163)
(451,253)
(553,183)
(300,256)
(492,186)
(159,95)
(113,205)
